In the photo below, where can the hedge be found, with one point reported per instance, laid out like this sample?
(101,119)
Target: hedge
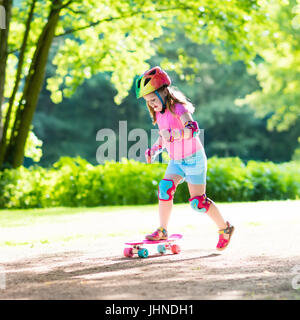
(73,182)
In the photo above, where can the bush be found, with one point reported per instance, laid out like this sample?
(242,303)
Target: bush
(227,180)
(74,182)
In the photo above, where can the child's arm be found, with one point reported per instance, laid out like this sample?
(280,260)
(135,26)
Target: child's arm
(159,141)
(190,129)
(155,150)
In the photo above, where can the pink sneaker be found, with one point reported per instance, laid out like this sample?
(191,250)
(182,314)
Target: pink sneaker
(159,234)
(223,243)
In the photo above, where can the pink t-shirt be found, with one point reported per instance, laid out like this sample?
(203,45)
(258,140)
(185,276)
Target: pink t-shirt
(178,149)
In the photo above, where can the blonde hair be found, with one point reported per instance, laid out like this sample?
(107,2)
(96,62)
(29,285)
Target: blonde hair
(173,96)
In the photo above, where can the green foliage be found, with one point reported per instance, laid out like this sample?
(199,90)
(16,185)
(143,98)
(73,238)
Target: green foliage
(69,128)
(24,188)
(74,182)
(77,183)
(227,179)
(296,155)
(109,36)
(273,181)
(230,179)
(278,46)
(115,36)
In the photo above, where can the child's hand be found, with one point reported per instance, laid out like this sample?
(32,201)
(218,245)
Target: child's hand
(148,155)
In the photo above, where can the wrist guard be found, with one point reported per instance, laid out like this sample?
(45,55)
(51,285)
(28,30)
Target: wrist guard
(154,151)
(193,125)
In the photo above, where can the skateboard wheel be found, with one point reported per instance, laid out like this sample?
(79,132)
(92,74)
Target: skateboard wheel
(175,248)
(143,253)
(161,248)
(128,252)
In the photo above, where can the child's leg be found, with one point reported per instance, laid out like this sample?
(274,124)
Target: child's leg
(167,187)
(165,207)
(213,212)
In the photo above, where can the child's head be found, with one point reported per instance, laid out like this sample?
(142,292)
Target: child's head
(151,80)
(154,102)
(154,87)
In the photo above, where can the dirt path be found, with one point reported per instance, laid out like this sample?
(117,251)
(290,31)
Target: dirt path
(259,264)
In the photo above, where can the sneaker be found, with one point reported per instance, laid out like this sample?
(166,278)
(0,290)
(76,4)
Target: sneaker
(159,234)
(223,242)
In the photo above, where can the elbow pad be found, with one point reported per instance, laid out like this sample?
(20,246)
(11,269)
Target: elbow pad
(193,125)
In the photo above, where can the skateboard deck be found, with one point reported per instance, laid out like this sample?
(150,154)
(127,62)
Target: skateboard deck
(138,246)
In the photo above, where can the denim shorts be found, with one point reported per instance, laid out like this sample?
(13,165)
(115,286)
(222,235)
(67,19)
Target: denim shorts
(192,168)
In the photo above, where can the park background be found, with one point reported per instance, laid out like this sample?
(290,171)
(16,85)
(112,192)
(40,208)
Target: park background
(67,70)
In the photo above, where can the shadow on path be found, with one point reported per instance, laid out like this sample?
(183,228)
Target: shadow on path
(189,275)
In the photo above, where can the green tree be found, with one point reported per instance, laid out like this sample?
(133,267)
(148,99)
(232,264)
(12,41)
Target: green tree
(7,5)
(278,46)
(108,36)
(213,87)
(70,127)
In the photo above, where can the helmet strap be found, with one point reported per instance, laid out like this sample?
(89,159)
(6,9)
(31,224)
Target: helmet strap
(162,102)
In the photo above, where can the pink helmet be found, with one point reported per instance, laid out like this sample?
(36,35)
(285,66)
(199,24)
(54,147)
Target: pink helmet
(150,81)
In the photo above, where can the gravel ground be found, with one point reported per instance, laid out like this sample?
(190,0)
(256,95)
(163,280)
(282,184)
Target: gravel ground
(260,263)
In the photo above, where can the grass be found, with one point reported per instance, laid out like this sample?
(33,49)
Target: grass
(26,217)
(254,224)
(32,227)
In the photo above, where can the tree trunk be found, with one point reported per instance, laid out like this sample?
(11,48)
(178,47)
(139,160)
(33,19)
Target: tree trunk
(7,4)
(3,142)
(32,88)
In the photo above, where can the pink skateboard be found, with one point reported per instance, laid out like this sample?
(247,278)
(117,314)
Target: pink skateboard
(137,247)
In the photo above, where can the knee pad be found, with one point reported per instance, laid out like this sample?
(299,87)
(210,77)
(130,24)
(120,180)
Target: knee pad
(166,189)
(200,203)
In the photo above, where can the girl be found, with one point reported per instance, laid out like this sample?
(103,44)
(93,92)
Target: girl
(178,133)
